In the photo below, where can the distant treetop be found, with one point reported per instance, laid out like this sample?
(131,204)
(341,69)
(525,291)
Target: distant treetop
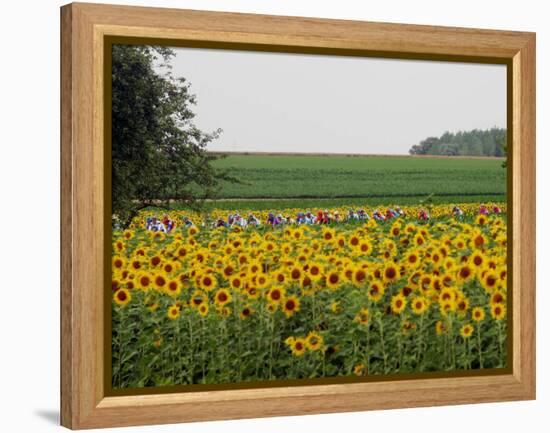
(478,142)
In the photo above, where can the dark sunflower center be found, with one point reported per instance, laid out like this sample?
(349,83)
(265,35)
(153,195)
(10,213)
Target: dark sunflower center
(465,272)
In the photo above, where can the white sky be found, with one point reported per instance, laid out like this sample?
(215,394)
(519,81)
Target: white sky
(308,103)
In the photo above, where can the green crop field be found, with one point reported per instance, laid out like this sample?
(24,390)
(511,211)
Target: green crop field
(375,179)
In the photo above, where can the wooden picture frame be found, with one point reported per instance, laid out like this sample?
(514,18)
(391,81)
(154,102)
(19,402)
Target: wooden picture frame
(84,30)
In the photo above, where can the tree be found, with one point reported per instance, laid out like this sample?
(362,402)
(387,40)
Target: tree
(158,154)
(425,147)
(490,142)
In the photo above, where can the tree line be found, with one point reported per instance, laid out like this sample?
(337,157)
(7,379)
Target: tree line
(477,142)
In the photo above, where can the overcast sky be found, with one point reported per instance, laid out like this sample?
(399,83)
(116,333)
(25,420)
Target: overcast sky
(308,103)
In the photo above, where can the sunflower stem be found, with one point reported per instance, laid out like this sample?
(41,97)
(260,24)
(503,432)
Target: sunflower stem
(368,335)
(368,347)
(178,345)
(480,356)
(191,367)
(453,342)
(173,352)
(465,363)
(500,349)
(382,344)
(203,353)
(240,331)
(271,336)
(445,344)
(420,344)
(324,361)
(400,344)
(119,347)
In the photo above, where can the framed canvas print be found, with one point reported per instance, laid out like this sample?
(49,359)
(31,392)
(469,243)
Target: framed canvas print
(269,216)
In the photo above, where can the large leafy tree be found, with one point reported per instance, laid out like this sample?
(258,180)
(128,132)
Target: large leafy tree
(158,154)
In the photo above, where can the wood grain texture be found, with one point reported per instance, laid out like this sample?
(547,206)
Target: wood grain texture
(67,388)
(84,27)
(524,215)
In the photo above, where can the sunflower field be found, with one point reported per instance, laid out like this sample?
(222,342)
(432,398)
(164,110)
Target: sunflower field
(208,305)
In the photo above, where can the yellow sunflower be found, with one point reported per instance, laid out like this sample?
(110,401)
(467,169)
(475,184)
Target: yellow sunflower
(360,277)
(118,263)
(295,273)
(465,273)
(398,303)
(291,305)
(222,297)
(144,281)
(275,295)
(498,297)
(314,341)
(236,282)
(412,258)
(198,298)
(466,331)
(462,305)
(478,240)
(364,247)
(477,260)
(481,220)
(122,297)
(333,279)
(490,281)
(498,311)
(390,272)
(203,309)
(160,280)
(208,282)
(298,346)
(173,288)
(328,235)
(446,307)
(354,241)
(246,312)
(315,271)
(478,314)
(262,281)
(375,292)
(173,312)
(419,305)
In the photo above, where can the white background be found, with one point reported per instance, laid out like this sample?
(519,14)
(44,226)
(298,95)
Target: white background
(29,217)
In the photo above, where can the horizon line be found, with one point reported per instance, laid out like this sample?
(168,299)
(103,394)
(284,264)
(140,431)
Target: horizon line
(348,154)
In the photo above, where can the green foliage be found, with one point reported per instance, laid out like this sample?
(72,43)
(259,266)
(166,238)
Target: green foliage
(376,178)
(490,142)
(505,162)
(157,151)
